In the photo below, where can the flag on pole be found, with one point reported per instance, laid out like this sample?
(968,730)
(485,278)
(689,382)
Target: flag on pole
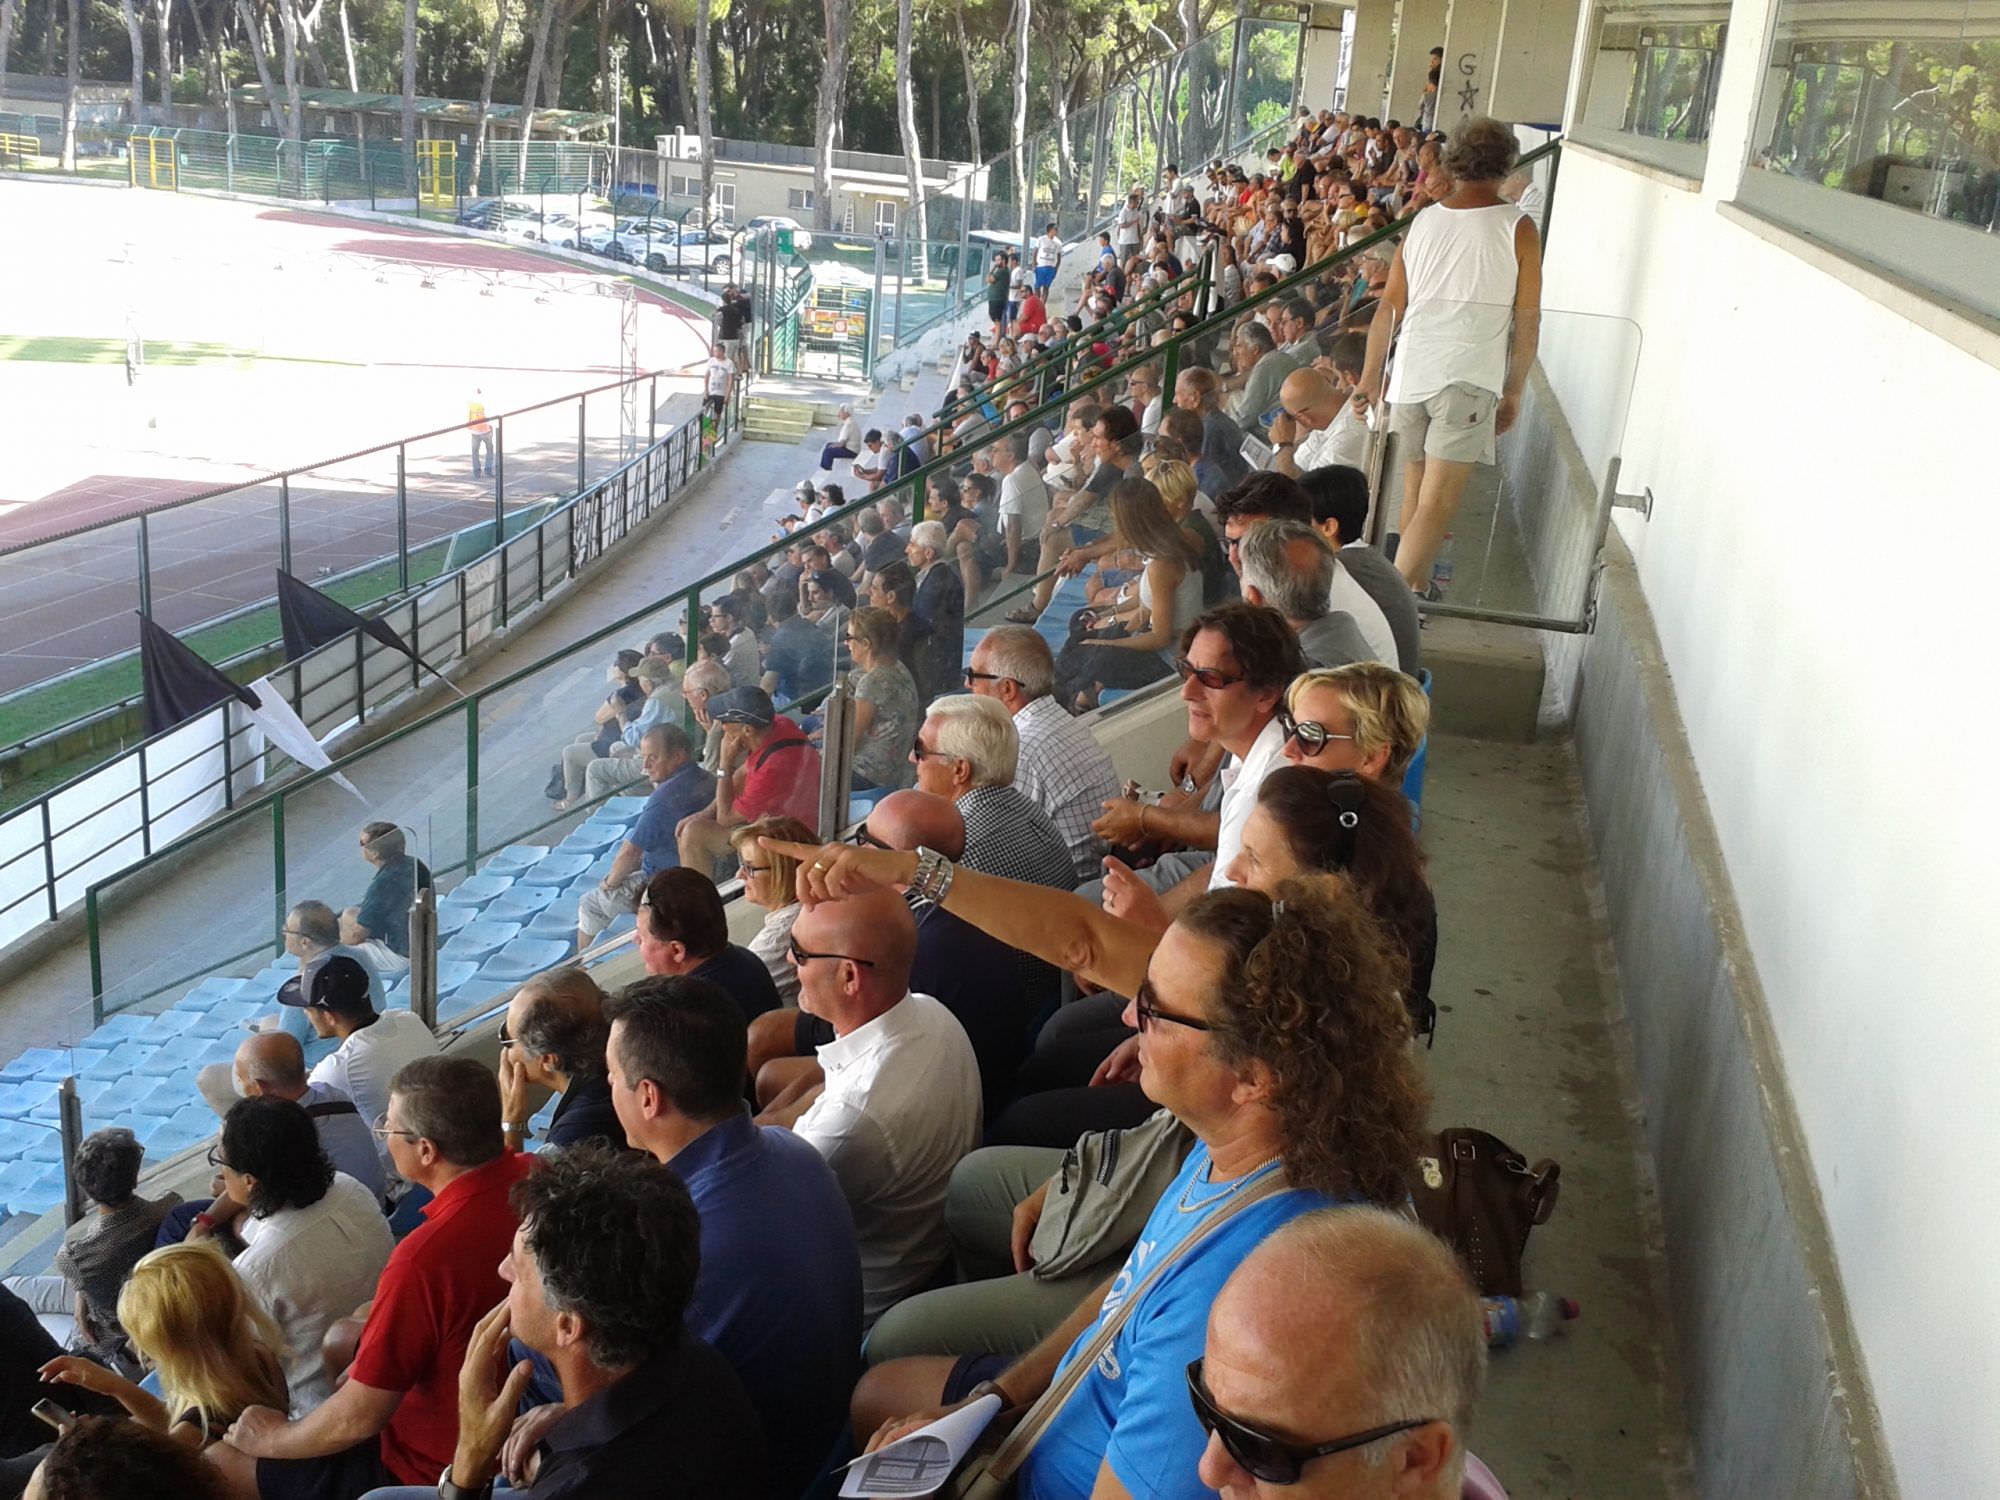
(311,618)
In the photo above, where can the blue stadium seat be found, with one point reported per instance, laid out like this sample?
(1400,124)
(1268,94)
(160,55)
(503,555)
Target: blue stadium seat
(557,924)
(144,1128)
(169,1024)
(224,986)
(477,890)
(127,1026)
(164,1097)
(480,992)
(33,1064)
(1413,779)
(513,859)
(262,985)
(16,1136)
(522,904)
(452,915)
(453,972)
(557,870)
(31,1188)
(227,1018)
(523,958)
(119,1061)
(479,941)
(619,809)
(592,838)
(183,1055)
(191,1125)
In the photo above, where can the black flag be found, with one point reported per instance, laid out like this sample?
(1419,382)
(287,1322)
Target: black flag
(310,619)
(179,684)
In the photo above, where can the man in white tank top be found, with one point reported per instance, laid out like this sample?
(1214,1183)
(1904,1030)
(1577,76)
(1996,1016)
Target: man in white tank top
(1464,296)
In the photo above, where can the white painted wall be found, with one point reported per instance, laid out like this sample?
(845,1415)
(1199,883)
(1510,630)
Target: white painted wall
(1817,563)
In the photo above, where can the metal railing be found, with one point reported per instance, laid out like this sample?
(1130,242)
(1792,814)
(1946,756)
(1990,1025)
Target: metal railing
(146,799)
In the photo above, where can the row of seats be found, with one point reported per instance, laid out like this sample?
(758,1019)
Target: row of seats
(514,918)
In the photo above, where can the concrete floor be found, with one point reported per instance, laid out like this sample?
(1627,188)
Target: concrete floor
(1531,1046)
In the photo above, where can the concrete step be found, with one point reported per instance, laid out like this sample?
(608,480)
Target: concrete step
(1486,680)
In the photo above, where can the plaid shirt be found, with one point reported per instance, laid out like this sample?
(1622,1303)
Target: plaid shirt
(1068,775)
(1010,836)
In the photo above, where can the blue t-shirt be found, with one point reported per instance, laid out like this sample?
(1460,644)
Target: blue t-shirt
(688,790)
(779,1292)
(1133,1408)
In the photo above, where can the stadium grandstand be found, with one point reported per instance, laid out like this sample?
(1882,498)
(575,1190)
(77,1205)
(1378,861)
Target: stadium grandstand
(1235,833)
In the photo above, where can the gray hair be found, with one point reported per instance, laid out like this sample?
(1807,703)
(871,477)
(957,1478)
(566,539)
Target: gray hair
(1414,1323)
(930,534)
(1480,150)
(980,732)
(1021,654)
(706,677)
(671,739)
(1256,335)
(1269,563)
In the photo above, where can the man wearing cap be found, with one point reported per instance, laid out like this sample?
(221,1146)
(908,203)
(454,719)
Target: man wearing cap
(334,996)
(768,770)
(680,788)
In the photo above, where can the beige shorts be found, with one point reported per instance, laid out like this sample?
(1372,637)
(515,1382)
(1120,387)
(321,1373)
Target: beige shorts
(1455,425)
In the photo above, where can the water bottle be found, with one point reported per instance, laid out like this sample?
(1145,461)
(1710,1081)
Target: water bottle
(1538,1315)
(1441,569)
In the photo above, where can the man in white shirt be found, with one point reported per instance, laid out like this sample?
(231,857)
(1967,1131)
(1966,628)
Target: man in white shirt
(1125,230)
(372,1047)
(846,442)
(1024,500)
(1333,431)
(1048,256)
(720,373)
(900,1105)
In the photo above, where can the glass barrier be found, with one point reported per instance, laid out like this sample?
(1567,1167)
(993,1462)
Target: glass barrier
(64,606)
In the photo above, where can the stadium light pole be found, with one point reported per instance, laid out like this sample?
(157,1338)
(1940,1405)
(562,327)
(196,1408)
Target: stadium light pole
(617,119)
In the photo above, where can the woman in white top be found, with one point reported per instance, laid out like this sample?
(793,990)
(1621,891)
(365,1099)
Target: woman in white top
(314,1240)
(768,883)
(1464,298)
(1134,644)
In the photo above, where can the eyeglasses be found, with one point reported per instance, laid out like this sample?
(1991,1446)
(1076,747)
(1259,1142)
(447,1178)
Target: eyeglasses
(1312,737)
(972,677)
(801,957)
(1269,1459)
(215,1159)
(1146,1005)
(1212,678)
(505,1041)
(383,1128)
(867,840)
(750,869)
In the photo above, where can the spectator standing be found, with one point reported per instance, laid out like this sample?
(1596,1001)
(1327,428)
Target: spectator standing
(683,929)
(379,928)
(395,1418)
(680,789)
(372,1048)
(1048,258)
(481,429)
(1464,299)
(1059,764)
(716,381)
(732,328)
(553,1038)
(778,1292)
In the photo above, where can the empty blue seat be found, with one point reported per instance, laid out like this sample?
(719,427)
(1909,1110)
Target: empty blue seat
(452,972)
(513,859)
(144,1128)
(31,1188)
(452,915)
(592,838)
(183,1054)
(16,1136)
(477,890)
(169,1024)
(32,1064)
(479,992)
(127,1026)
(191,1125)
(164,1096)
(620,809)
(522,958)
(557,924)
(119,1061)
(479,941)
(226,1019)
(522,904)
(556,870)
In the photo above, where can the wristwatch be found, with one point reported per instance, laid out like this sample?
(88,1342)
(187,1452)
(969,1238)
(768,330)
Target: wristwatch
(934,875)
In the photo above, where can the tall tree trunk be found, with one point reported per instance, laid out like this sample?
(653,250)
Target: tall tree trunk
(347,50)
(540,44)
(677,61)
(288,36)
(138,40)
(6,32)
(410,96)
(485,94)
(971,84)
(309,34)
(704,107)
(1059,87)
(162,25)
(72,75)
(839,18)
(1018,129)
(211,51)
(261,57)
(913,225)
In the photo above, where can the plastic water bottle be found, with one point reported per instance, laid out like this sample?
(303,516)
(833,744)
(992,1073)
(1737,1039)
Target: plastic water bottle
(1441,569)
(1537,1315)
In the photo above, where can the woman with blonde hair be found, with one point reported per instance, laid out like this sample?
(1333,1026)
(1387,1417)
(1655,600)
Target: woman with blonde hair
(1133,643)
(770,881)
(1172,473)
(217,1352)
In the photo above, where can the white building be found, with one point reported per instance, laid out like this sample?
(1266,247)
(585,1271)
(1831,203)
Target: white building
(753,178)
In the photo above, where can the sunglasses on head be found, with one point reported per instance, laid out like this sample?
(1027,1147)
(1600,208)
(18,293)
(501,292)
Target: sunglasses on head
(1269,1459)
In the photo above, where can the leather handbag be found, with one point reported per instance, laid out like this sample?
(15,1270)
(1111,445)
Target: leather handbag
(1100,1198)
(1480,1196)
(987,1473)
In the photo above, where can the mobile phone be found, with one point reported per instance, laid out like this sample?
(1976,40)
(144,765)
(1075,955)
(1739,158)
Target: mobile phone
(56,1416)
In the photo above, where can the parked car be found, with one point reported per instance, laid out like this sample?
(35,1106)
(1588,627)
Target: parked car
(802,239)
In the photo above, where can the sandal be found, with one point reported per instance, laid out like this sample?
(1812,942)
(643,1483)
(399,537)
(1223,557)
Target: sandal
(1026,615)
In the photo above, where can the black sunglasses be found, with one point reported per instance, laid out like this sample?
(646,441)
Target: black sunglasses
(1312,736)
(1212,678)
(867,840)
(1146,1005)
(972,677)
(1269,1459)
(801,957)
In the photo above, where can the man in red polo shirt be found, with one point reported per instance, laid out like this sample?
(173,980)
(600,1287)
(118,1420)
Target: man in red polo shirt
(395,1419)
(769,770)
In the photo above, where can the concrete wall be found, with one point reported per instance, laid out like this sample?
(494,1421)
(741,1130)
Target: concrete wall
(1368,64)
(1817,435)
(1420,26)
(1531,67)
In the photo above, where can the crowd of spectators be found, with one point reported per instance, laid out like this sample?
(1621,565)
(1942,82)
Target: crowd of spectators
(797,1196)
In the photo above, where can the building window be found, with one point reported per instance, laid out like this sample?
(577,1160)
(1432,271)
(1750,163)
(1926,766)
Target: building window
(1876,130)
(885,216)
(799,200)
(725,202)
(1654,71)
(683,187)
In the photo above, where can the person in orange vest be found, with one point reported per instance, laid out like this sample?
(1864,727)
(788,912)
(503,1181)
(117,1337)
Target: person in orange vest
(482,434)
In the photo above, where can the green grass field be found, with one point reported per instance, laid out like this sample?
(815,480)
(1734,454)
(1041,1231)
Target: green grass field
(77,349)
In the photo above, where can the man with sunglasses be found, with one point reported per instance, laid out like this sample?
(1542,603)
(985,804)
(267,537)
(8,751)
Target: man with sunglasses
(900,1104)
(1343,1362)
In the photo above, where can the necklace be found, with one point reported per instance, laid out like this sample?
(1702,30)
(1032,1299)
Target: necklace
(1188,1205)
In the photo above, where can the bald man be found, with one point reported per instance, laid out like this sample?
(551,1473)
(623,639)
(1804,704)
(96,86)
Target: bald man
(900,1104)
(1319,426)
(972,973)
(1345,1323)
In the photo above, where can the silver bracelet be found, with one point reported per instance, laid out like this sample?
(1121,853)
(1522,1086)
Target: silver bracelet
(934,875)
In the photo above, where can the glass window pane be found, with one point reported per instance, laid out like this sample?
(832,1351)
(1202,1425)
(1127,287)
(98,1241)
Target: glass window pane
(1654,71)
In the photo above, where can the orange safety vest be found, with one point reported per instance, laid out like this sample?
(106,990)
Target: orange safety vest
(475,413)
